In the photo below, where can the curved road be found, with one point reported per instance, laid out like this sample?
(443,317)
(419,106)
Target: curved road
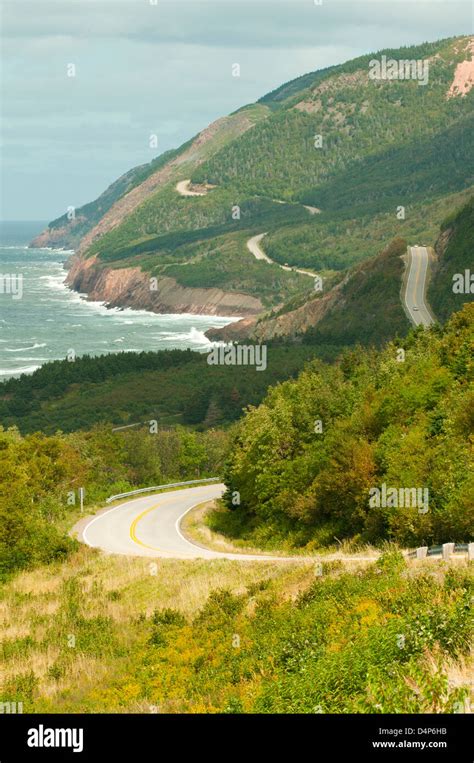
(415,287)
(149,526)
(253,245)
(183,188)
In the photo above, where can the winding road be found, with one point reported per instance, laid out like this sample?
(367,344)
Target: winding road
(415,287)
(253,245)
(150,526)
(183,188)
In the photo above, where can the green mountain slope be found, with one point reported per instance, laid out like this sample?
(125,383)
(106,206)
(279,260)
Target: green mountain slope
(381,145)
(304,462)
(455,256)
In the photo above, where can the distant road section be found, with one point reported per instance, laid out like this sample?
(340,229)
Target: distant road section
(415,287)
(253,245)
(183,188)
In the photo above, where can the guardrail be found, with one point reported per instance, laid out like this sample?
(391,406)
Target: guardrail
(445,550)
(113,498)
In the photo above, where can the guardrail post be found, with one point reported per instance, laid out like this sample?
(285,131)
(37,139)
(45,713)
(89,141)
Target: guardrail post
(470,551)
(421,552)
(448,549)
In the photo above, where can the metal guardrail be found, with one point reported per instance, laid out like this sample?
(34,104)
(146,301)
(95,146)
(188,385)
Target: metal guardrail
(113,498)
(438,550)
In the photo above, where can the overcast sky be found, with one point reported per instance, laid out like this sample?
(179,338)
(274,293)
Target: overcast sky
(166,68)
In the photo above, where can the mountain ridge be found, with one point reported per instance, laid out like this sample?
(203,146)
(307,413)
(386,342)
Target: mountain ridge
(384,142)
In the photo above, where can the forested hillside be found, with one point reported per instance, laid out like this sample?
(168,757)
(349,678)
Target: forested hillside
(452,283)
(384,142)
(304,461)
(171,387)
(336,140)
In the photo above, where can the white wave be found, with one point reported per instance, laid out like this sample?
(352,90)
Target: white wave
(15,371)
(35,346)
(194,336)
(37,360)
(47,249)
(54,281)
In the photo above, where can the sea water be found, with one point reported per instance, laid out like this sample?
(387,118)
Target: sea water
(49,320)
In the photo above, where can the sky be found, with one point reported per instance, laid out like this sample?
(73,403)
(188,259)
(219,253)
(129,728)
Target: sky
(164,68)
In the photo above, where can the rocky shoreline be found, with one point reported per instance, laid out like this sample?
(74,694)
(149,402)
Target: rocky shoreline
(131,287)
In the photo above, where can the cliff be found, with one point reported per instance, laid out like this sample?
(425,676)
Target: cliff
(130,287)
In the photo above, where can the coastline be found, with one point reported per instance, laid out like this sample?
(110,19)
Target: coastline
(52,318)
(131,287)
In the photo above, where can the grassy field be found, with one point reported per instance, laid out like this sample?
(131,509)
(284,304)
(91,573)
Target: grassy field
(115,634)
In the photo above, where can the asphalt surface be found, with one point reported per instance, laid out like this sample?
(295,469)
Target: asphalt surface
(415,288)
(149,526)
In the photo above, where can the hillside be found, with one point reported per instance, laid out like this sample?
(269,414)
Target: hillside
(363,303)
(370,634)
(304,462)
(452,282)
(384,143)
(166,643)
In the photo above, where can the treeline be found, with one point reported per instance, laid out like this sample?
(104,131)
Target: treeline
(52,379)
(41,477)
(305,463)
(171,386)
(455,255)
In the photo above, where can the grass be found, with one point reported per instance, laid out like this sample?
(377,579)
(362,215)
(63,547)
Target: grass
(195,526)
(100,600)
(103,633)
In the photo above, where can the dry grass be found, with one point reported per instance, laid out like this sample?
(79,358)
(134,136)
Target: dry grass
(194,527)
(35,614)
(116,587)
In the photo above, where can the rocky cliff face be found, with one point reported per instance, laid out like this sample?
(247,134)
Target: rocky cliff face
(131,287)
(288,325)
(63,237)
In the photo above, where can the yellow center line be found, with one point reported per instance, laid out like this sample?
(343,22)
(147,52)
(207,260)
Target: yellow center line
(417,274)
(133,526)
(416,279)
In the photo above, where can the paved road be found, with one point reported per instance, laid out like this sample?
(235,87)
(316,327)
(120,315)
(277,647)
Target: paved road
(183,188)
(253,245)
(149,526)
(415,289)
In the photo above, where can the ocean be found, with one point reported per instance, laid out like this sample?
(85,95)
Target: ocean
(42,320)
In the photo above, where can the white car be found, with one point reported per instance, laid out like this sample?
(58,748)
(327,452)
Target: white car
(415,307)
